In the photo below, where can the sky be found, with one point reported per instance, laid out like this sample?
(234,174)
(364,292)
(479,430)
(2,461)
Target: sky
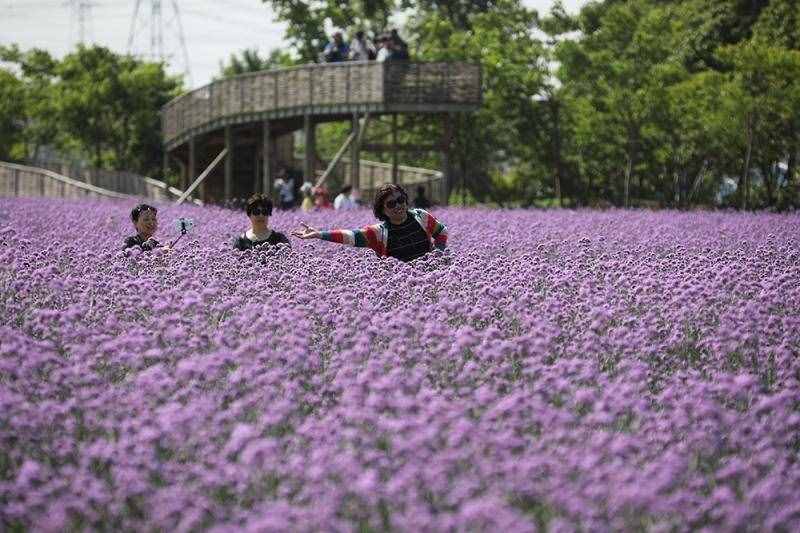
(212,29)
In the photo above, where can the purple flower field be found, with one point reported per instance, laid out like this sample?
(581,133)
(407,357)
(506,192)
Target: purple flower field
(554,370)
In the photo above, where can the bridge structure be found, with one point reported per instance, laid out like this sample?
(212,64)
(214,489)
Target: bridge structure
(251,121)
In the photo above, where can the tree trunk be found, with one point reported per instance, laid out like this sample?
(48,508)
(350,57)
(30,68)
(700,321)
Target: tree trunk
(790,166)
(696,183)
(557,171)
(744,182)
(768,182)
(628,169)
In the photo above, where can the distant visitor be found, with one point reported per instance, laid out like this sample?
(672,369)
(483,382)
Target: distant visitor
(420,200)
(346,199)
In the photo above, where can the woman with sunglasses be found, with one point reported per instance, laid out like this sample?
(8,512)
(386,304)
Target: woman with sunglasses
(259,209)
(403,233)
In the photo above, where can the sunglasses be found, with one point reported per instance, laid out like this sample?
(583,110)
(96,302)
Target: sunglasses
(391,204)
(259,211)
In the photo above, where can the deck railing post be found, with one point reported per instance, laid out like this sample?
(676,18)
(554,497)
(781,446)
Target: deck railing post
(310,147)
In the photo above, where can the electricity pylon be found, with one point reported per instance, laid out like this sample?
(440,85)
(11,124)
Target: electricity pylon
(161,48)
(81,12)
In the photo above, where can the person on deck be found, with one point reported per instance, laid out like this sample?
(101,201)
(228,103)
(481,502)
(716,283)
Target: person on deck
(403,233)
(144,218)
(399,47)
(259,209)
(336,50)
(421,200)
(385,49)
(361,49)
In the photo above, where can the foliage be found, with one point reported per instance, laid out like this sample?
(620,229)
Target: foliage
(11,114)
(34,104)
(249,60)
(678,96)
(94,102)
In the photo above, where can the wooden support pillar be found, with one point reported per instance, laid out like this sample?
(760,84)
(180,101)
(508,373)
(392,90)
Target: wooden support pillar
(183,173)
(165,167)
(310,140)
(395,166)
(266,169)
(355,154)
(192,168)
(446,157)
(229,163)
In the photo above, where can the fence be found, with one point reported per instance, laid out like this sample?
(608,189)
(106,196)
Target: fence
(373,174)
(119,181)
(21,180)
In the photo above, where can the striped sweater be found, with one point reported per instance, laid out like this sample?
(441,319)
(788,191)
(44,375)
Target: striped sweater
(376,236)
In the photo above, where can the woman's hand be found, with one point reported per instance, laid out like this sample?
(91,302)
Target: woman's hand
(307,232)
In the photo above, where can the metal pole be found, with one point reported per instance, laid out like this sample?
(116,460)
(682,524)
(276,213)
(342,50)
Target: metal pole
(201,177)
(335,159)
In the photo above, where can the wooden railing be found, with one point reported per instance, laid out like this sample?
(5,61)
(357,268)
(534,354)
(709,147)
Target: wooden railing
(21,180)
(373,174)
(47,179)
(114,180)
(333,88)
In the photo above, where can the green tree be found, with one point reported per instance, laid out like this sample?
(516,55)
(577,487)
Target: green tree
(762,97)
(249,60)
(11,114)
(35,105)
(514,69)
(616,78)
(108,105)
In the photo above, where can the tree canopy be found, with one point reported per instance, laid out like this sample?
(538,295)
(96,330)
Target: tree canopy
(94,103)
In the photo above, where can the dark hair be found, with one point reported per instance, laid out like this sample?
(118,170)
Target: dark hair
(141,208)
(383,193)
(258,200)
(346,189)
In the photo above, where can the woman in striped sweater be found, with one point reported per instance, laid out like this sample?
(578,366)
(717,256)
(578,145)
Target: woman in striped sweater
(403,233)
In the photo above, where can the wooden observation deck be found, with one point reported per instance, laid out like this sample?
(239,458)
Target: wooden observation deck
(253,117)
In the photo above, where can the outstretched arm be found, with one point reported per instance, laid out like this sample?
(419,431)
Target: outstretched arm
(360,238)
